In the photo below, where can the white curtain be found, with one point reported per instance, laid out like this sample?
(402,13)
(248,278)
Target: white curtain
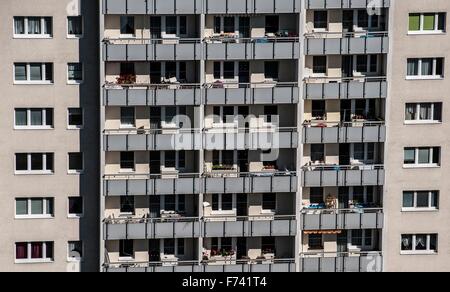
(19,23)
(34,25)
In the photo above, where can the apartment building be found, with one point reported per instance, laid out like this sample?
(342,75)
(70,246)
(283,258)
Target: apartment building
(49,135)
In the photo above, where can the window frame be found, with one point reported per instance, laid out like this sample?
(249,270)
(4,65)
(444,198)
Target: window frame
(431,194)
(75,127)
(75,36)
(421,30)
(45,213)
(75,259)
(28,80)
(75,81)
(73,215)
(75,171)
(418,106)
(220,210)
(419,75)
(29,170)
(29,259)
(416,163)
(44,125)
(414,251)
(26,34)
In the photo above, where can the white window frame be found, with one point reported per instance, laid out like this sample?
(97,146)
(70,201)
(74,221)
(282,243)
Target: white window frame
(366,233)
(162,202)
(428,251)
(74,127)
(33,82)
(421,209)
(418,107)
(75,171)
(177,161)
(127,36)
(416,159)
(33,127)
(176,255)
(75,216)
(44,171)
(75,82)
(44,215)
(436,24)
(126,126)
(75,259)
(366,160)
(27,35)
(128,258)
(29,260)
(177,64)
(75,36)
(164,33)
(224,212)
(433,76)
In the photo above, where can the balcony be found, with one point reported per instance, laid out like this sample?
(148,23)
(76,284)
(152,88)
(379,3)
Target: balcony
(345,4)
(344,132)
(248,183)
(251,6)
(250,226)
(151,94)
(341,262)
(338,175)
(250,138)
(151,228)
(330,43)
(238,266)
(152,7)
(342,219)
(345,88)
(149,140)
(251,93)
(134,49)
(267,48)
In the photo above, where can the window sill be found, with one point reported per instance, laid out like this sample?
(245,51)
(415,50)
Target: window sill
(75,36)
(424,32)
(418,166)
(31,36)
(75,82)
(418,252)
(33,172)
(424,78)
(126,259)
(128,171)
(34,217)
(75,260)
(33,83)
(424,122)
(419,210)
(75,127)
(75,216)
(32,128)
(75,172)
(34,261)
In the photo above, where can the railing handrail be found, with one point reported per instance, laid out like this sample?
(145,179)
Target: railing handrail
(181,40)
(345,79)
(343,210)
(337,167)
(342,124)
(253,39)
(205,219)
(199,175)
(114,85)
(312,35)
(339,254)
(199,85)
(226,130)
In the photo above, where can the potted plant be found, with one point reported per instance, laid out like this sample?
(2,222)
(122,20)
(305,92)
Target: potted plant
(126,79)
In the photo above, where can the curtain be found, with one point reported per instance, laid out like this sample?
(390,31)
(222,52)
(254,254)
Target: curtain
(413,67)
(21,251)
(21,117)
(408,199)
(21,206)
(428,21)
(414,22)
(407,242)
(34,25)
(19,25)
(37,207)
(20,72)
(427,67)
(48,25)
(36,117)
(410,112)
(421,242)
(36,250)
(425,111)
(424,155)
(36,72)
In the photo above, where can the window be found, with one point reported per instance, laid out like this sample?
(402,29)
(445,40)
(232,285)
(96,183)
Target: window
(180,246)
(272,23)
(74,26)
(33,73)
(271,70)
(171,25)
(420,200)
(34,252)
(269,201)
(422,157)
(75,207)
(268,245)
(126,249)
(74,73)
(33,118)
(223,158)
(76,163)
(217,24)
(315,242)
(127,117)
(423,112)
(126,161)
(174,159)
(127,205)
(34,163)
(270,113)
(223,202)
(318,153)
(419,243)
(425,68)
(228,70)
(75,118)
(127,25)
(427,23)
(228,24)
(75,250)
(34,208)
(33,27)
(320,19)
(319,65)
(318,109)
(367,63)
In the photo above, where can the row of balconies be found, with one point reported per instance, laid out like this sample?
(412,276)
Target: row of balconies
(277,93)
(280,182)
(366,262)
(230,6)
(244,49)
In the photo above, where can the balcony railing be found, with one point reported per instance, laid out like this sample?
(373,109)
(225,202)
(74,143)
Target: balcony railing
(215,182)
(344,4)
(371,261)
(144,49)
(235,266)
(265,48)
(197,139)
(251,93)
(330,43)
(345,88)
(339,175)
(347,219)
(192,227)
(357,131)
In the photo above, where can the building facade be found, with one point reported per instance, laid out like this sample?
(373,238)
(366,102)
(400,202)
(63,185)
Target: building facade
(49,124)
(224,135)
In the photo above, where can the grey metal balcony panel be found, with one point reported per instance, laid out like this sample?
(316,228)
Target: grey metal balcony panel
(137,142)
(136,53)
(136,231)
(136,6)
(161,230)
(261,228)
(116,6)
(115,231)
(236,228)
(262,184)
(137,187)
(238,51)
(279,184)
(371,263)
(172,52)
(372,221)
(214,185)
(115,187)
(137,97)
(284,228)
(213,229)
(310,265)
(339,4)
(237,96)
(115,53)
(345,90)
(284,95)
(353,221)
(187,229)
(351,264)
